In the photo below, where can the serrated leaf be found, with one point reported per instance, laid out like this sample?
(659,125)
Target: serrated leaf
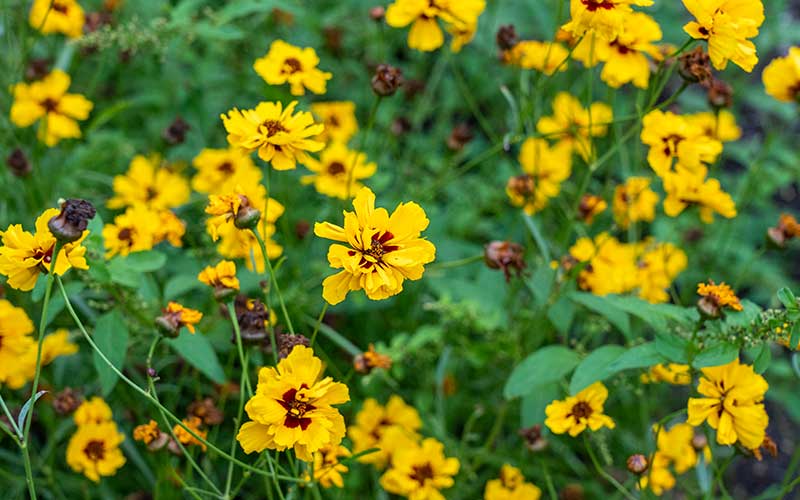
(605,308)
(594,367)
(111,337)
(641,356)
(547,365)
(198,352)
(672,347)
(716,355)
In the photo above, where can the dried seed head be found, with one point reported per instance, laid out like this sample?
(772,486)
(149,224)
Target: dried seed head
(533,438)
(69,225)
(287,342)
(387,80)
(207,411)
(505,255)
(253,317)
(460,137)
(67,401)
(175,133)
(637,464)
(37,69)
(506,37)
(695,66)
(18,163)
(572,491)
(720,94)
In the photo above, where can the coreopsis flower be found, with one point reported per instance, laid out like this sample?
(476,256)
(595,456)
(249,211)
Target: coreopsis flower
(293,408)
(604,17)
(15,343)
(575,413)
(146,433)
(634,201)
(222,278)
(732,402)
(659,478)
(673,137)
(151,183)
(131,232)
(461,33)
(782,77)
(658,265)
(237,244)
(91,412)
(547,57)
(382,250)
(511,485)
(47,100)
(175,316)
(220,170)
(339,118)
(24,256)
(57,16)
(590,207)
(280,135)
(574,125)
(716,297)
(719,126)
(687,188)
(338,171)
(55,345)
(94,450)
(671,373)
(545,169)
(425,33)
(170,228)
(236,208)
(370,360)
(328,469)
(727,25)
(185,437)
(676,444)
(374,423)
(285,63)
(611,265)
(419,472)
(625,56)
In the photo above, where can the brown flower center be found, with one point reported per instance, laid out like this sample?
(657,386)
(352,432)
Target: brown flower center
(50,105)
(225,167)
(336,168)
(152,192)
(422,473)
(292,65)
(622,49)
(125,234)
(333,121)
(582,409)
(296,408)
(95,450)
(671,144)
(60,7)
(594,5)
(273,127)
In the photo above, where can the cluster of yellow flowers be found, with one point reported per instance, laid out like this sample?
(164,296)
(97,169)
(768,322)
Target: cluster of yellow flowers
(94,448)
(675,449)
(459,16)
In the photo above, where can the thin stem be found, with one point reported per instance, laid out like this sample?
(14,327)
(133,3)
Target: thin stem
(240,349)
(608,477)
(274,282)
(456,263)
(243,378)
(11,419)
(318,323)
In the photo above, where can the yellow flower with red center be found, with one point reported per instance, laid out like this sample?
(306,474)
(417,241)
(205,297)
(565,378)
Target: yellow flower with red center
(727,25)
(373,424)
(691,188)
(674,137)
(511,485)
(546,57)
(280,136)
(545,169)
(782,77)
(338,171)
(57,16)
(47,100)
(605,17)
(146,433)
(576,413)
(94,450)
(672,373)
(460,17)
(186,437)
(24,256)
(634,201)
(720,126)
(293,407)
(140,228)
(719,295)
(419,472)
(179,316)
(221,170)
(381,251)
(574,125)
(328,469)
(339,118)
(151,183)
(285,63)
(732,402)
(222,276)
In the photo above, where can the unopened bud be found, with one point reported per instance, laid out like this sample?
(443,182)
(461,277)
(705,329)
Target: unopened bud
(699,442)
(387,80)
(637,464)
(376,13)
(247,217)
(720,94)
(175,133)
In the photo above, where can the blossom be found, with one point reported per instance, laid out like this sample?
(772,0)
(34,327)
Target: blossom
(782,76)
(625,56)
(590,207)
(605,17)
(574,125)
(15,343)
(732,402)
(672,373)
(545,169)
(293,408)
(547,57)
(55,345)
(673,137)
(381,250)
(720,126)
(374,423)
(727,25)
(685,188)
(339,118)
(419,472)
(634,201)
(285,63)
(575,413)
(151,183)
(92,411)
(280,135)
(235,207)
(23,256)
(221,170)
(338,171)
(658,265)
(221,277)
(328,469)
(186,437)
(146,433)
(175,316)
(718,296)
(425,33)
(47,100)
(94,450)
(511,485)
(676,445)
(131,232)
(611,268)
(57,16)
(371,359)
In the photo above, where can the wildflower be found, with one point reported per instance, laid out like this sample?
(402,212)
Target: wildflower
(685,188)
(293,408)
(672,373)
(575,413)
(339,118)
(782,77)
(634,201)
(611,265)
(574,125)
(55,345)
(637,464)
(175,133)
(328,469)
(506,37)
(732,402)
(534,440)
(18,163)
(94,450)
(787,228)
(57,16)
(150,183)
(237,244)
(673,137)
(93,411)
(462,34)
(47,100)
(338,172)
(175,316)
(425,33)
(70,224)
(280,135)
(186,437)
(505,255)
(170,228)
(371,359)
(374,423)
(23,256)
(382,250)
(386,80)
(206,411)
(235,207)
(590,207)
(219,171)
(511,485)
(146,433)
(419,472)
(547,57)
(131,232)
(285,63)
(695,66)
(719,126)
(717,297)
(545,169)
(605,17)
(222,278)
(727,25)
(676,444)
(67,401)
(659,478)
(658,265)
(15,343)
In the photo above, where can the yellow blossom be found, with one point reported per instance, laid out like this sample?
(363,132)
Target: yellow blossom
(727,25)
(179,316)
(338,171)
(782,77)
(15,344)
(575,413)
(92,411)
(151,183)
(719,126)
(373,423)
(574,125)
(339,118)
(94,450)
(634,201)
(328,469)
(658,265)
(605,17)
(546,57)
(57,16)
(672,373)
(146,433)
(419,472)
(131,232)
(425,33)
(511,485)
(626,55)
(285,63)
(221,170)
(612,266)
(545,169)
(221,276)
(685,188)
(674,137)
(720,295)
(186,437)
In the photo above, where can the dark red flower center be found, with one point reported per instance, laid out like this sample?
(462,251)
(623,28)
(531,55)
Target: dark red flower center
(421,473)
(292,65)
(594,5)
(95,450)
(60,7)
(273,127)
(225,167)
(582,409)
(377,249)
(50,105)
(336,168)
(296,409)
(125,234)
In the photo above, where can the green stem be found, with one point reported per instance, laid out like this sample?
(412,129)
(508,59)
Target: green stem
(11,419)
(455,263)
(318,323)
(240,349)
(238,421)
(608,477)
(274,283)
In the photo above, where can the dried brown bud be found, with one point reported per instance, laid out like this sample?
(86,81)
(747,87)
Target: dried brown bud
(591,206)
(301,229)
(253,317)
(637,464)
(720,94)
(287,342)
(533,438)
(507,37)
(505,255)
(67,401)
(699,442)
(387,80)
(521,185)
(400,126)
(175,133)
(460,137)
(206,411)
(333,38)
(96,20)
(572,491)
(413,87)
(18,163)
(695,66)
(69,225)
(376,13)
(37,69)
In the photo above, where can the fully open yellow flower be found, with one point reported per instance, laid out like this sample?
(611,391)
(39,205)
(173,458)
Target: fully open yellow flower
(727,25)
(673,137)
(293,408)
(575,413)
(425,34)
(47,100)
(658,265)
(732,402)
(221,170)
(419,472)
(720,295)
(151,183)
(94,450)
(686,188)
(15,343)
(511,485)
(339,118)
(328,469)
(285,63)
(373,424)
(611,264)
(92,411)
(545,169)
(719,126)
(626,55)
(782,77)
(338,171)
(605,17)
(546,57)
(381,251)
(280,136)
(574,125)
(634,201)
(57,16)
(672,373)
(131,232)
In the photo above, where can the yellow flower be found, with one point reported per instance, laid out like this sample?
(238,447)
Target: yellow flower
(590,207)
(511,486)
(221,170)
(170,228)
(782,77)
(147,433)
(658,265)
(570,123)
(672,136)
(23,256)
(612,266)
(327,468)
(226,208)
(338,171)
(57,16)
(94,450)
(658,478)
(546,57)
(280,136)
(727,25)
(575,413)
(150,183)
(237,244)
(179,316)
(672,373)
(545,169)
(131,232)
(381,250)
(605,17)
(222,276)
(625,56)
(15,343)
(720,126)
(462,34)
(732,403)
(285,63)
(372,427)
(92,411)
(676,445)
(425,33)
(419,472)
(685,188)
(55,345)
(293,408)
(185,437)
(634,201)
(339,118)
(48,100)
(720,295)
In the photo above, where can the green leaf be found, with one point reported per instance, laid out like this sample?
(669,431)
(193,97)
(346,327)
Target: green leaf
(795,337)
(595,367)
(533,404)
(542,283)
(606,308)
(181,284)
(197,351)
(763,358)
(716,355)
(122,274)
(641,356)
(145,262)
(27,407)
(111,337)
(672,347)
(788,299)
(561,314)
(745,317)
(548,364)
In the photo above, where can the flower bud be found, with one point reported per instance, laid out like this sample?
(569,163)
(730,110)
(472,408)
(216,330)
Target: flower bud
(720,94)
(287,342)
(533,438)
(247,217)
(387,80)
(459,137)
(506,37)
(67,401)
(37,69)
(695,66)
(376,13)
(69,225)
(637,464)
(18,163)
(699,442)
(168,326)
